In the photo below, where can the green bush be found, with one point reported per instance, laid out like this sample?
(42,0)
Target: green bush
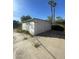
(16,24)
(19,30)
(57,28)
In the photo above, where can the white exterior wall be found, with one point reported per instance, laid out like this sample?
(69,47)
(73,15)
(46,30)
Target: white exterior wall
(24,26)
(42,26)
(36,27)
(29,26)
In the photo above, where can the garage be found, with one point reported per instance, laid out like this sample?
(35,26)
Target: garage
(36,26)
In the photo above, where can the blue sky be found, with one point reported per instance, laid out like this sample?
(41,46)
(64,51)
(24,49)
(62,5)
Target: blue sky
(36,8)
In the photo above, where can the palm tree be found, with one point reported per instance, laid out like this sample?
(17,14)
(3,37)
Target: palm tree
(52,4)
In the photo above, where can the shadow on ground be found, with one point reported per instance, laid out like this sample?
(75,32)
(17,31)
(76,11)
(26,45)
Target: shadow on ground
(54,34)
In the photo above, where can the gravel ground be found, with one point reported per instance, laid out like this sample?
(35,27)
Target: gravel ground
(50,48)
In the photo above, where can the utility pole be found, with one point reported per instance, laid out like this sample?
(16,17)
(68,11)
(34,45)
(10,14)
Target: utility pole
(52,4)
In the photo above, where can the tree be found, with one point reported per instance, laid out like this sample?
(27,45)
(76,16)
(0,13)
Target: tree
(60,21)
(49,19)
(25,18)
(59,18)
(16,24)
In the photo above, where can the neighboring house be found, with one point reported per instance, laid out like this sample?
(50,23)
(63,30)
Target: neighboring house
(36,26)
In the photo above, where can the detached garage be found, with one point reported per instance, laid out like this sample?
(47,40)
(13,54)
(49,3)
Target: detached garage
(36,26)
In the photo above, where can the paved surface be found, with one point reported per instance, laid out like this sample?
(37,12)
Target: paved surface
(50,48)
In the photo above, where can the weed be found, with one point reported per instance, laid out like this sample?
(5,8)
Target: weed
(36,45)
(25,38)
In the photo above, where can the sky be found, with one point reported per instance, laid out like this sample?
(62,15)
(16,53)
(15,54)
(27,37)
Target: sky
(36,9)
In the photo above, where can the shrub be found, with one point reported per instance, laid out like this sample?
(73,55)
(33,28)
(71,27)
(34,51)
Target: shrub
(19,30)
(24,31)
(57,28)
(16,24)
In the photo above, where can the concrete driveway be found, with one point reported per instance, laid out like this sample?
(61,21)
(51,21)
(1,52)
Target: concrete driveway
(50,48)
